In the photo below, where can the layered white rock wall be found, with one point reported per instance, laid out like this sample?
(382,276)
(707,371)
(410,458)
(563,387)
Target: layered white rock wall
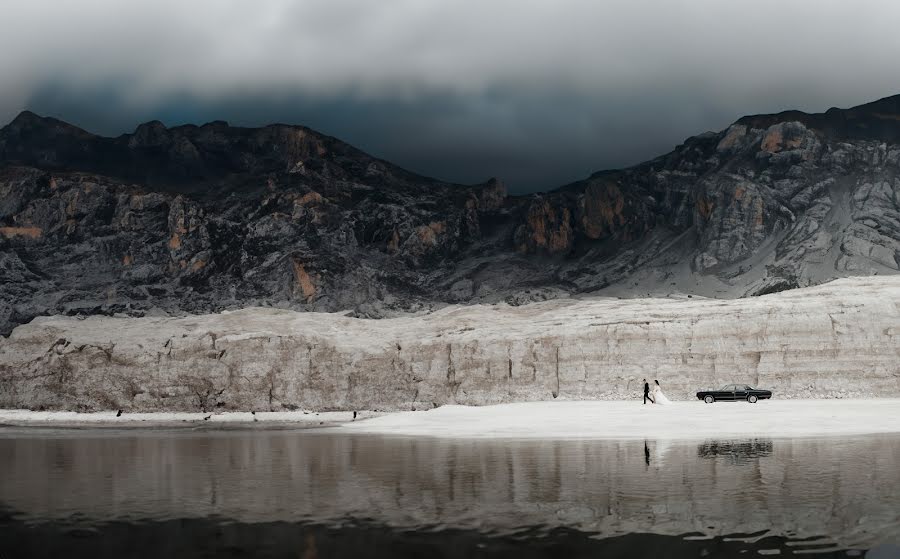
(839,339)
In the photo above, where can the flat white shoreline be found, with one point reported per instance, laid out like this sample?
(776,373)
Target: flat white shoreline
(28,418)
(537,420)
(630,419)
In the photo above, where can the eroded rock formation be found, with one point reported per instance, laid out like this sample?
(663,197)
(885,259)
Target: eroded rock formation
(839,339)
(197,219)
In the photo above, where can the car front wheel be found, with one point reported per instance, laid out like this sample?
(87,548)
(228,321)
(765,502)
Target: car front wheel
(752,398)
(709,399)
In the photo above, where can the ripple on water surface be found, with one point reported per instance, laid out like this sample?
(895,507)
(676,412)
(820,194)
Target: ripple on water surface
(295,493)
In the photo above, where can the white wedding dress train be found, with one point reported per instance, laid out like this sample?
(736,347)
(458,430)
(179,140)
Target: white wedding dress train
(658,397)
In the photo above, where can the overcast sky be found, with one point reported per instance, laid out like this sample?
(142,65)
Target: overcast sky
(538,93)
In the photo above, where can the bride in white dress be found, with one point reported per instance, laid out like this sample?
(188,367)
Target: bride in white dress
(657,394)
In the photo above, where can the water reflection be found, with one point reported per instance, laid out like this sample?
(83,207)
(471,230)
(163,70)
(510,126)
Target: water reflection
(844,493)
(736,452)
(193,538)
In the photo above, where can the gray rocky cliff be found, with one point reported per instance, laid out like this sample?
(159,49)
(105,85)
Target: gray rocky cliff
(198,219)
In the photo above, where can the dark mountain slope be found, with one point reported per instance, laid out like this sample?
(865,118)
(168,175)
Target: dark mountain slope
(201,160)
(196,219)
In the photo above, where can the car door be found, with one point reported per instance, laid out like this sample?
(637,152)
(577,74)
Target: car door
(727,392)
(741,392)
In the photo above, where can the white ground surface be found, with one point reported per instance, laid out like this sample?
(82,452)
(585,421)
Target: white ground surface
(545,420)
(155,419)
(622,420)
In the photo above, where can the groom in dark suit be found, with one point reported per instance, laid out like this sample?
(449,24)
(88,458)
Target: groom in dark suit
(647,393)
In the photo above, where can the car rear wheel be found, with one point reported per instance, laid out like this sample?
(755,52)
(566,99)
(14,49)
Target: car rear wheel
(709,399)
(752,398)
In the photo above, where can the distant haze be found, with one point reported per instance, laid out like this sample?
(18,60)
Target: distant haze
(538,93)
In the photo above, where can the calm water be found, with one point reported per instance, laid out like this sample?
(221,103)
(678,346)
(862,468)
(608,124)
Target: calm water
(302,494)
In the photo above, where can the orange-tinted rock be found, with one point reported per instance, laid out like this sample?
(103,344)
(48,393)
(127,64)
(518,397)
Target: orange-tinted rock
(304,282)
(771,142)
(428,234)
(538,217)
(562,237)
(781,136)
(735,133)
(310,198)
(602,208)
(705,207)
(30,232)
(548,228)
(394,242)
(184,218)
(759,212)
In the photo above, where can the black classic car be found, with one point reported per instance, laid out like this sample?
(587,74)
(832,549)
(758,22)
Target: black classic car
(733,393)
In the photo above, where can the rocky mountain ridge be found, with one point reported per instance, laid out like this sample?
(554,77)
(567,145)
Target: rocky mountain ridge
(199,219)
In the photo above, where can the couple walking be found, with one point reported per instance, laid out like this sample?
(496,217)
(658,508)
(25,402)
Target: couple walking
(655,395)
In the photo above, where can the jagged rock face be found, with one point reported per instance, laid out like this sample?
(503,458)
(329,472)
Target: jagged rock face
(198,219)
(317,226)
(83,243)
(839,339)
(774,201)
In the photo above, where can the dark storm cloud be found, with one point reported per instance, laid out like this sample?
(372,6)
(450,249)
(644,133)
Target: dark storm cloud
(537,93)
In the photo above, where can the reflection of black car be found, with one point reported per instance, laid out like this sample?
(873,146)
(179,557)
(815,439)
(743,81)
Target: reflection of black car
(736,452)
(733,393)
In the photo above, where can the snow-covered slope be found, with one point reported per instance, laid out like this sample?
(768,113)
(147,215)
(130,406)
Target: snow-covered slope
(838,339)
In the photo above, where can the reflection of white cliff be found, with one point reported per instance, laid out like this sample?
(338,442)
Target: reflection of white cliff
(835,339)
(808,487)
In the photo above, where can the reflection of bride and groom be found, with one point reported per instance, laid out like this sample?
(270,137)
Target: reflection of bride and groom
(655,394)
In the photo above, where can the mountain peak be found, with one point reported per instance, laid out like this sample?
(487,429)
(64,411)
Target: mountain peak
(28,121)
(26,117)
(191,158)
(877,121)
(153,133)
(151,125)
